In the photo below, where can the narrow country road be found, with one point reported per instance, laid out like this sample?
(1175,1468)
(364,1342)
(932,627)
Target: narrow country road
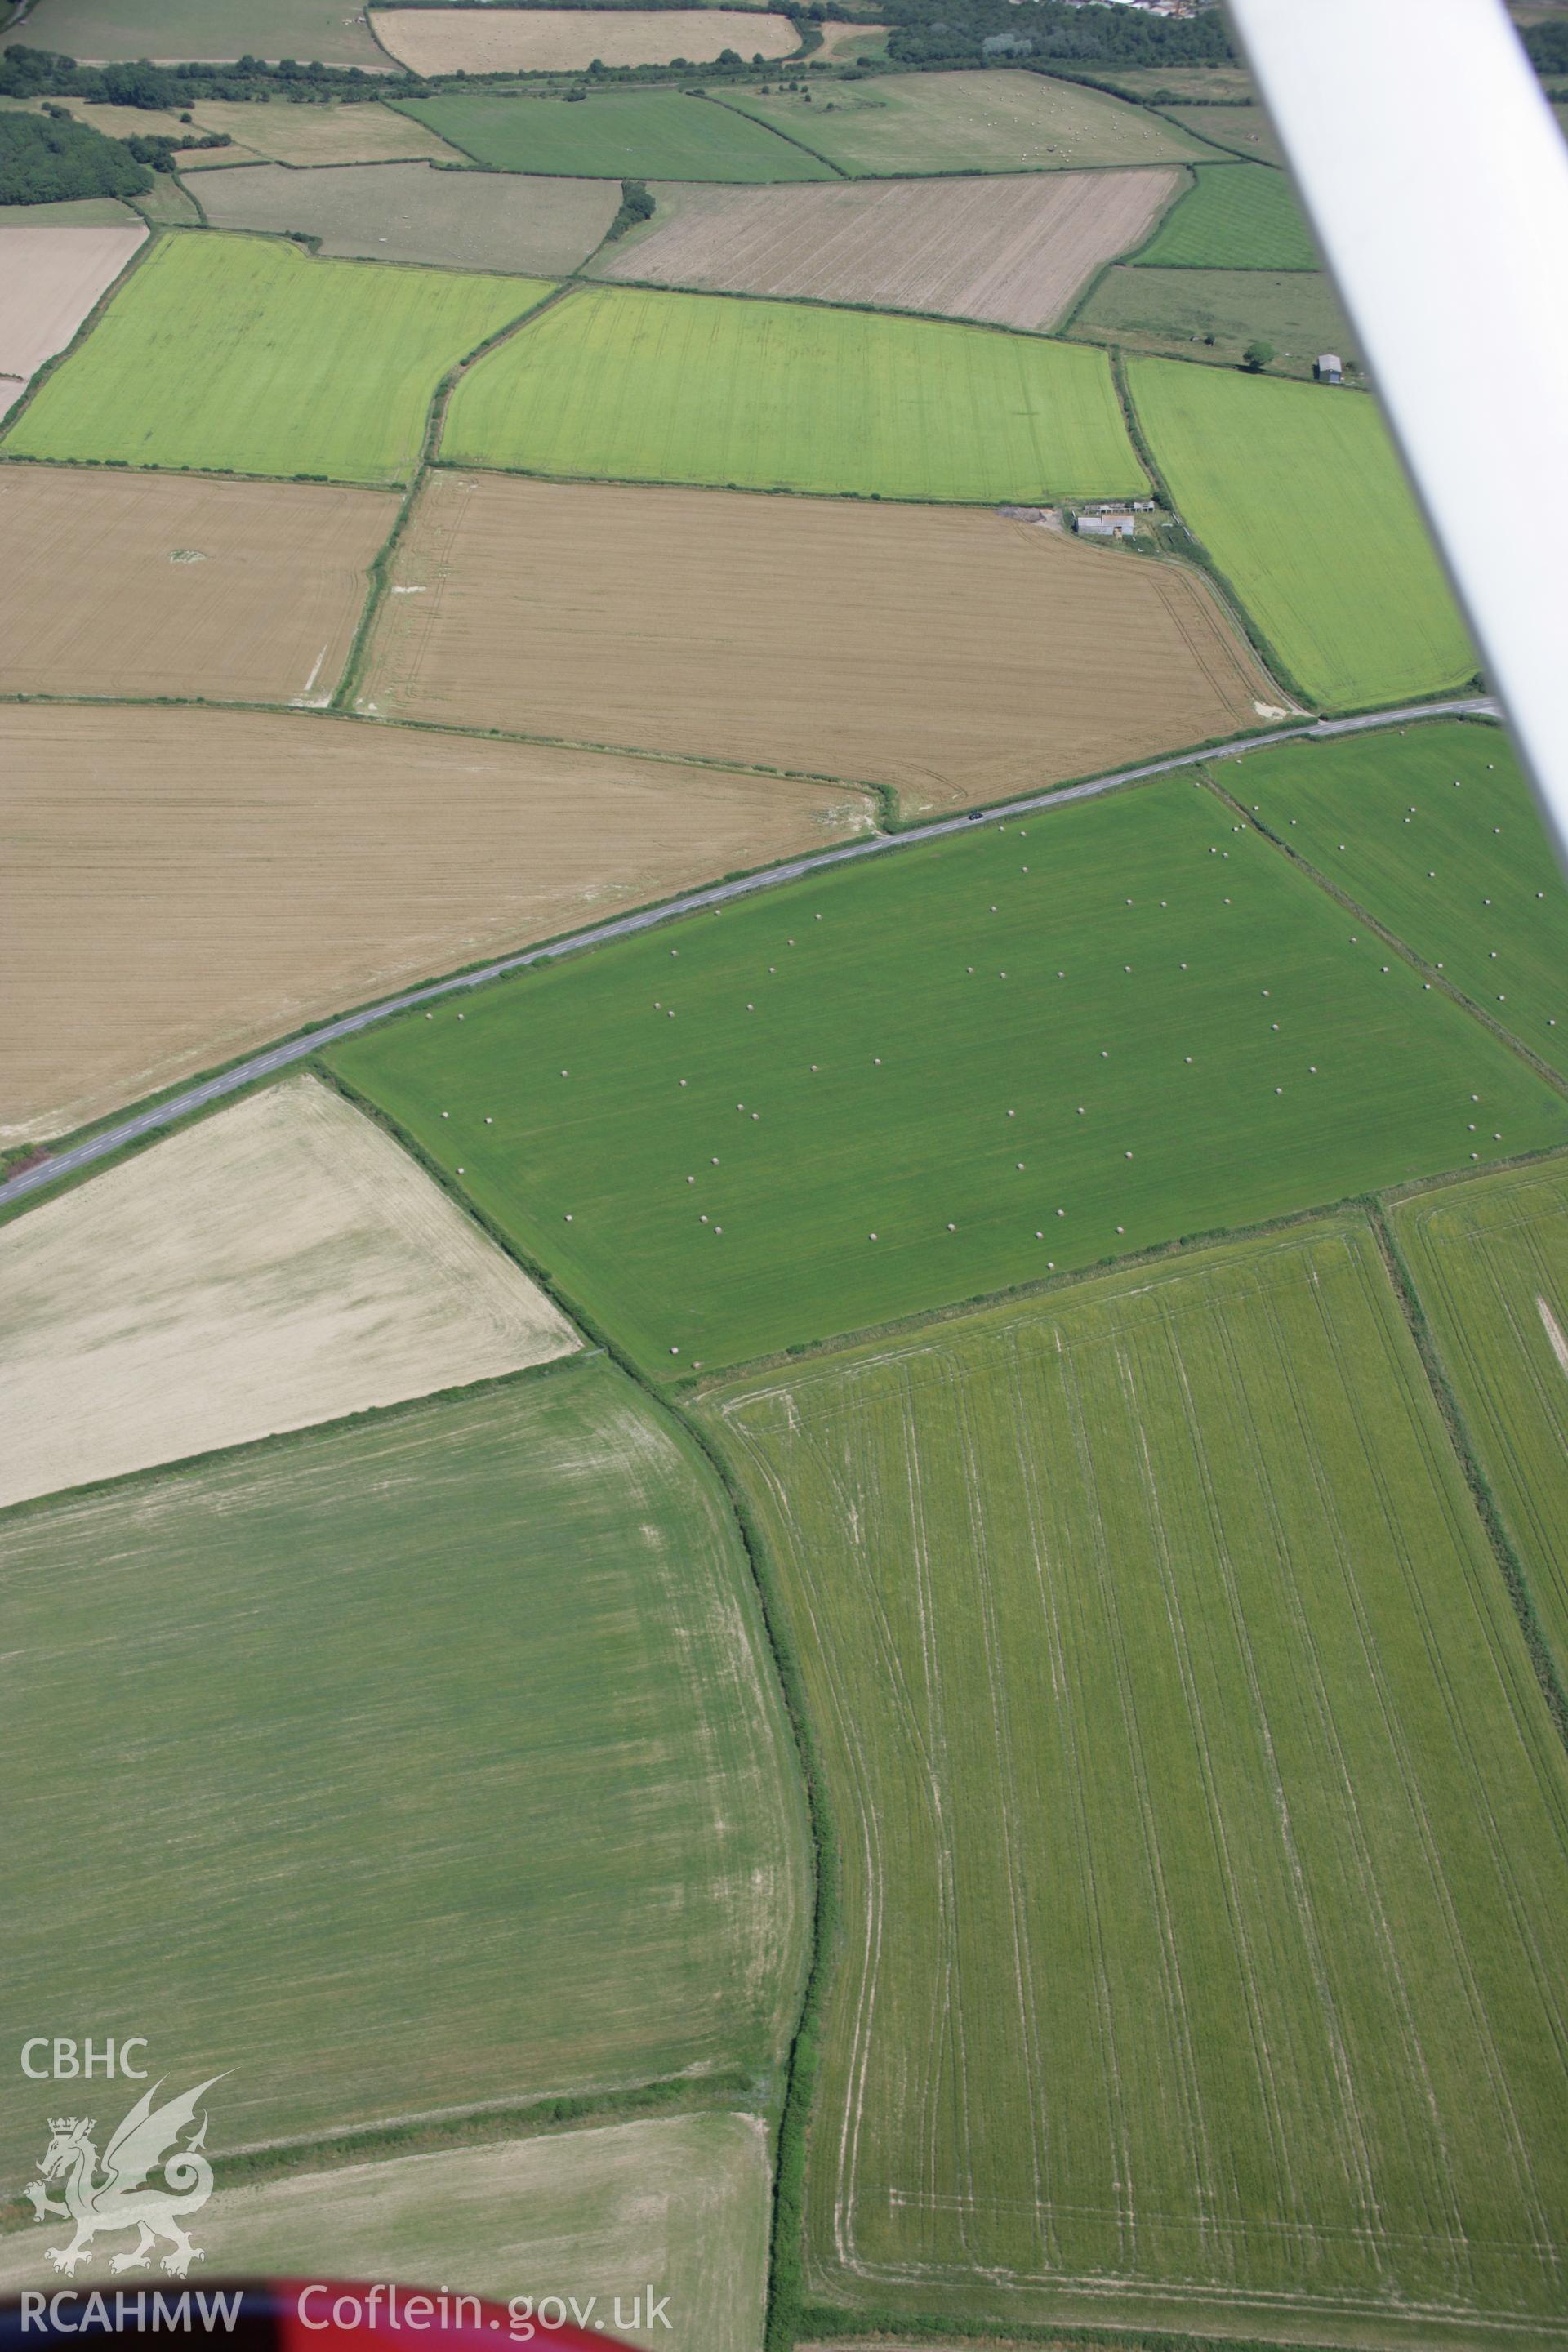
(180,1106)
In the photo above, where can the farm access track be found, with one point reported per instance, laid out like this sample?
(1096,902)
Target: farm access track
(258,1066)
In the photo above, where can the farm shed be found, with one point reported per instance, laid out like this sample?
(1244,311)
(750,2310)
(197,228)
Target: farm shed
(1106,526)
(1328,369)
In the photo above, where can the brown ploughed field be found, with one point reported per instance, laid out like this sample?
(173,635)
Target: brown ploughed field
(184,884)
(954,655)
(152,584)
(1015,252)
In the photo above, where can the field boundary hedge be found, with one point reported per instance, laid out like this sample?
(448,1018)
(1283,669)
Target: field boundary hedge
(1433,975)
(379,577)
(40,376)
(1269,655)
(798,2064)
(553,944)
(1445,1396)
(788,136)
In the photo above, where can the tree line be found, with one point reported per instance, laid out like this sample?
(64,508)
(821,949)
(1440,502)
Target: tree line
(971,32)
(45,159)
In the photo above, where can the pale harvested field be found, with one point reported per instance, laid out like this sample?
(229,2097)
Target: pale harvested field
(954,655)
(161,584)
(181,885)
(1012,251)
(842,41)
(564,40)
(12,387)
(282,132)
(509,221)
(283,1263)
(678,2204)
(52,278)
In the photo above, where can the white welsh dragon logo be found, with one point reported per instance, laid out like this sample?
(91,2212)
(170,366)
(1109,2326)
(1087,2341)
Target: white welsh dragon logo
(146,2141)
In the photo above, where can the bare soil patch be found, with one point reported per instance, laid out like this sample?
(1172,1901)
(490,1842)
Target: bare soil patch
(52,278)
(407,212)
(183,884)
(281,1263)
(1012,251)
(564,41)
(954,655)
(161,584)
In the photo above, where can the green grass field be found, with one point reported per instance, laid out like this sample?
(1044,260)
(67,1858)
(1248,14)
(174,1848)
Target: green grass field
(1203,1836)
(645,134)
(73,212)
(1490,1262)
(406,212)
(1245,130)
(656,387)
(470,1776)
(1434,833)
(1170,1030)
(104,30)
(1173,311)
(1232,219)
(243,355)
(987,122)
(1296,492)
(678,2204)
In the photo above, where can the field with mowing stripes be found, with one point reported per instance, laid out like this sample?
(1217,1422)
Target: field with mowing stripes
(1233,218)
(920,1079)
(241,354)
(645,134)
(635,386)
(1299,496)
(458,1715)
(1435,834)
(1013,252)
(1204,1837)
(1489,1260)
(968,123)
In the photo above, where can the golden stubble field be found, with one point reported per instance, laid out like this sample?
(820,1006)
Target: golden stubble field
(151,584)
(1012,251)
(560,40)
(281,1263)
(282,132)
(954,655)
(184,884)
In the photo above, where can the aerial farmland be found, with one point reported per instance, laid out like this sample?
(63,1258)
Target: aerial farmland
(783,1196)
(954,654)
